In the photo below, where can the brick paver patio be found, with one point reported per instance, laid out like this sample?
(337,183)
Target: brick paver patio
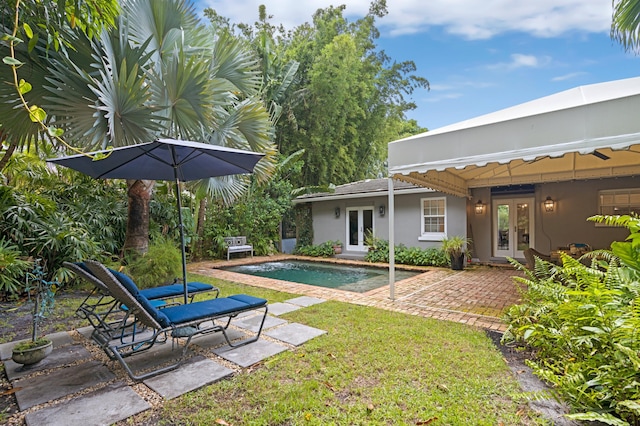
(477,295)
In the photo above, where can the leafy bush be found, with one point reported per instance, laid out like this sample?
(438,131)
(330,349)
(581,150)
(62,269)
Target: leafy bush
(379,253)
(321,250)
(257,215)
(162,264)
(12,269)
(583,324)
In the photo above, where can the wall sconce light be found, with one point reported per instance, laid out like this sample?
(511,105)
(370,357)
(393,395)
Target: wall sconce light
(479,207)
(549,204)
(337,212)
(381,210)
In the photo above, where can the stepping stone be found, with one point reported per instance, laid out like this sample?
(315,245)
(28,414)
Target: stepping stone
(190,376)
(57,358)
(103,407)
(305,301)
(294,334)
(86,331)
(217,339)
(158,355)
(282,308)
(60,339)
(62,382)
(253,323)
(247,355)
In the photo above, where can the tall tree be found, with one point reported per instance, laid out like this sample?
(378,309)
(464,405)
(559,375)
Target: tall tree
(162,73)
(353,97)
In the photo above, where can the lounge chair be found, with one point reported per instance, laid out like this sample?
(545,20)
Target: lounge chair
(181,321)
(530,255)
(99,304)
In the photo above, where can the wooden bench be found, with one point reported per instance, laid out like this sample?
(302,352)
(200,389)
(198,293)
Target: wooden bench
(237,245)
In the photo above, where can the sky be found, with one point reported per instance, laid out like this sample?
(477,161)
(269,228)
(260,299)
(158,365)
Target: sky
(479,56)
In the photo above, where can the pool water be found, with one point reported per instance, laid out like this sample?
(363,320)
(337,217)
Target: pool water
(358,279)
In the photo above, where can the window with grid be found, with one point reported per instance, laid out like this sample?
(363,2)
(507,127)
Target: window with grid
(619,201)
(433,218)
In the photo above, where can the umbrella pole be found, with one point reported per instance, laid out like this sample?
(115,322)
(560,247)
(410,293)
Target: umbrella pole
(182,243)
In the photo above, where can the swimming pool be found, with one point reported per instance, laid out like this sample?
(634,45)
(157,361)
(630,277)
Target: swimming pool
(359,279)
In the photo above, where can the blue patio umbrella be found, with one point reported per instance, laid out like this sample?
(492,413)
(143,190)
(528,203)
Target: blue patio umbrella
(164,159)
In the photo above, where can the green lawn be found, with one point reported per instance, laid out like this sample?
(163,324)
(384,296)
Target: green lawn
(372,367)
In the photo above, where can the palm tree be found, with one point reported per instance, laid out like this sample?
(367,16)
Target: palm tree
(42,31)
(160,73)
(625,24)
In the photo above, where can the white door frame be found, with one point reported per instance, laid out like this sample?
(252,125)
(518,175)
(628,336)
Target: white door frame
(516,239)
(360,230)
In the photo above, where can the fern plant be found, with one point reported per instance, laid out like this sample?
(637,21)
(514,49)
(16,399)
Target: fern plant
(582,322)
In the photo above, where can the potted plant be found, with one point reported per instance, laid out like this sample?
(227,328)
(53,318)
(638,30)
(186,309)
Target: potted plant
(35,350)
(337,247)
(456,247)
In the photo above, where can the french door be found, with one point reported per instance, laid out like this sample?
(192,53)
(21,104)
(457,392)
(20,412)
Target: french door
(359,223)
(513,225)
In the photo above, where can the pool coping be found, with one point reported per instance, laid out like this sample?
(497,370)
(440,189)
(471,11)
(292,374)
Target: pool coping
(323,260)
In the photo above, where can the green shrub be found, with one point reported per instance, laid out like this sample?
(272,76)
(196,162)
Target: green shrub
(162,264)
(583,324)
(379,253)
(321,250)
(12,269)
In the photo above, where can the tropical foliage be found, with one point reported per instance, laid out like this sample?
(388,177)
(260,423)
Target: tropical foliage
(347,99)
(582,322)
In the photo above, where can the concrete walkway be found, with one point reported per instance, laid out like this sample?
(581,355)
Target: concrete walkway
(477,296)
(78,385)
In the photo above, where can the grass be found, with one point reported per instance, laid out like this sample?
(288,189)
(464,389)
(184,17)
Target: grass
(373,367)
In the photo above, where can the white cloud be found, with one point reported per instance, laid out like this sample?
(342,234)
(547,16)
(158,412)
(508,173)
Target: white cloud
(443,97)
(470,19)
(519,60)
(569,76)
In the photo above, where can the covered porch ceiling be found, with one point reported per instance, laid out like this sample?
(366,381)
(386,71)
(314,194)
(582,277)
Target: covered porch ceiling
(583,133)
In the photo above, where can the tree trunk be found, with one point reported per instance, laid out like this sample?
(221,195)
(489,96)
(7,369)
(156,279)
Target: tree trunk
(137,236)
(8,153)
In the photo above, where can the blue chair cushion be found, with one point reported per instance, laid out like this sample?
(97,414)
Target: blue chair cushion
(173,290)
(251,301)
(207,309)
(133,289)
(154,303)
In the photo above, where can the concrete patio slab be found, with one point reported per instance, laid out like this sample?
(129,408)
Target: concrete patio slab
(280,308)
(294,333)
(190,376)
(217,339)
(60,383)
(59,357)
(305,301)
(103,407)
(253,323)
(86,331)
(246,356)
(159,354)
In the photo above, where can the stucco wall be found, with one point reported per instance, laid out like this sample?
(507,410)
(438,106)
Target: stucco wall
(408,218)
(574,203)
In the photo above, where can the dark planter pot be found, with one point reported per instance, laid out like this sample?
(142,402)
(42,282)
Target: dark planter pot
(33,355)
(457,262)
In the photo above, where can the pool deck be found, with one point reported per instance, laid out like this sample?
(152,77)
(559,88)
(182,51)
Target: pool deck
(477,296)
